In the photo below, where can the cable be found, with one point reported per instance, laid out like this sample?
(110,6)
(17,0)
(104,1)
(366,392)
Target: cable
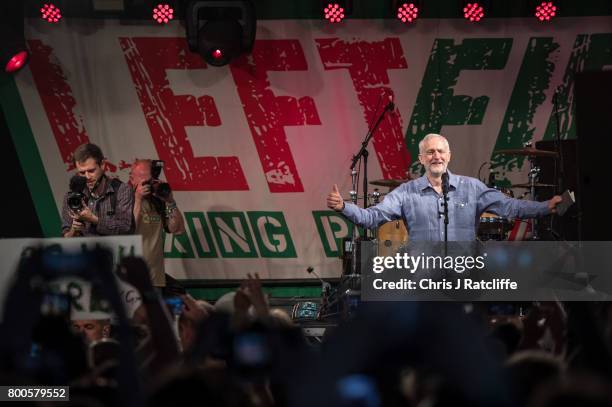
(480,169)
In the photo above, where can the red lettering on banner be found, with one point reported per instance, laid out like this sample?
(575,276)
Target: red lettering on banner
(267,114)
(168,114)
(58,101)
(123,165)
(367,63)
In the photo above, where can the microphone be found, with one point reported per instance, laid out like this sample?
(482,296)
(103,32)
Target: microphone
(390,106)
(324,284)
(445,185)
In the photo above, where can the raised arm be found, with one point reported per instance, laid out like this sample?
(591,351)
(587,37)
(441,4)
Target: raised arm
(492,200)
(389,209)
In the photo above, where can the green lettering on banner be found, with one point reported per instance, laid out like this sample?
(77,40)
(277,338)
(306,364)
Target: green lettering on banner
(232,234)
(528,94)
(332,228)
(590,53)
(272,234)
(177,246)
(436,105)
(202,238)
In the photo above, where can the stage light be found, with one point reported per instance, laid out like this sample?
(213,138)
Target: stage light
(220,31)
(217,54)
(333,13)
(163,13)
(50,13)
(473,12)
(16,62)
(407,13)
(545,11)
(13,51)
(336,11)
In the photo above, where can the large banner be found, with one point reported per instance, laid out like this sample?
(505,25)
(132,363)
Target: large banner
(252,149)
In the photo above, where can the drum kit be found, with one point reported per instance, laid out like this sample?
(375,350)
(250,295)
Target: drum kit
(491,227)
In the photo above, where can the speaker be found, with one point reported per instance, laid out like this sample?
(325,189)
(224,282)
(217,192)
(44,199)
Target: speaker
(593,95)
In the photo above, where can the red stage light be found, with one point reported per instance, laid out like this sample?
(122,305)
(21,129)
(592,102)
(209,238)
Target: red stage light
(16,62)
(51,13)
(217,54)
(473,12)
(546,11)
(407,13)
(163,13)
(334,13)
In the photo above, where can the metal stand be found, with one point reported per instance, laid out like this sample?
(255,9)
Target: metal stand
(363,154)
(534,174)
(350,285)
(445,188)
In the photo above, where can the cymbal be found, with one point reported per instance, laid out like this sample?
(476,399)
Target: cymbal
(537,185)
(527,151)
(391,183)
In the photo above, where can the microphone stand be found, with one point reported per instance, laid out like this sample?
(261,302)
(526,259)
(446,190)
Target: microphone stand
(534,173)
(561,171)
(445,218)
(363,153)
(445,187)
(325,294)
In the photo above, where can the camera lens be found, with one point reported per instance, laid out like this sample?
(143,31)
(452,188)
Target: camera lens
(75,201)
(163,190)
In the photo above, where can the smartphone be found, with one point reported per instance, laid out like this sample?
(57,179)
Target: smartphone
(251,350)
(55,304)
(175,304)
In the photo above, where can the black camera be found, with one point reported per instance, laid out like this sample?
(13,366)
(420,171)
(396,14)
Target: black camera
(76,196)
(161,189)
(75,200)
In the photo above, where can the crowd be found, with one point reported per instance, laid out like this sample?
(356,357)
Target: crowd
(240,352)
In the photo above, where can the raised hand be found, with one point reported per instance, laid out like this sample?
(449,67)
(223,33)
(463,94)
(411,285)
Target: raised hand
(334,200)
(553,202)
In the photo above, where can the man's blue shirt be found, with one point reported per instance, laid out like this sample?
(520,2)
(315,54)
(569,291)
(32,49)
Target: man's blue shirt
(421,207)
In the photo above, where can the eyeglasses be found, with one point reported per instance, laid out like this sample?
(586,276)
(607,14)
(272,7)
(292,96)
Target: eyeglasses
(430,153)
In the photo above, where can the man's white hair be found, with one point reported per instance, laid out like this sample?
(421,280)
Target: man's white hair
(429,137)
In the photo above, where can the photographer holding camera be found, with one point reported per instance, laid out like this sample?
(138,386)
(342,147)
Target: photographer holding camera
(96,205)
(154,209)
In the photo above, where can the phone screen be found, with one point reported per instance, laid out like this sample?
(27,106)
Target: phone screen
(251,350)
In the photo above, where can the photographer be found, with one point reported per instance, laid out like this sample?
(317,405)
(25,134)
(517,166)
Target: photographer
(154,209)
(105,204)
